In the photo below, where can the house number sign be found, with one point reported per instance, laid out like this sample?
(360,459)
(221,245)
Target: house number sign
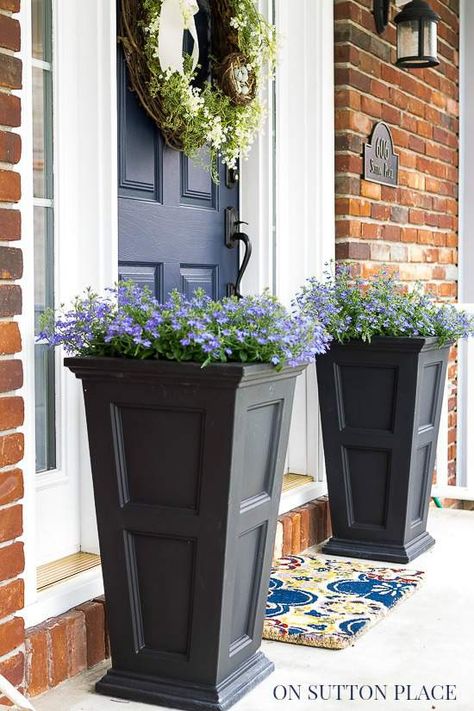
(380,160)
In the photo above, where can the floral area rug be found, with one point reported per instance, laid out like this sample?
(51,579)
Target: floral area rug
(322,602)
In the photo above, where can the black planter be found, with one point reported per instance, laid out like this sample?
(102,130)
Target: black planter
(380,408)
(187,465)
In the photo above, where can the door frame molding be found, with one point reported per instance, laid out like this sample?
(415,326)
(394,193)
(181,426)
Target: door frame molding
(305,193)
(86,231)
(89,205)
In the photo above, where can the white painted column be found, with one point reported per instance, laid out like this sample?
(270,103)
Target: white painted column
(305,219)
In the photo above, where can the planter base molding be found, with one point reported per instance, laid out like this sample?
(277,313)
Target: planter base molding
(380,551)
(192,697)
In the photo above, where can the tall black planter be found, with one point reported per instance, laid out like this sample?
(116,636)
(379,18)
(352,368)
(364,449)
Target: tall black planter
(380,408)
(187,466)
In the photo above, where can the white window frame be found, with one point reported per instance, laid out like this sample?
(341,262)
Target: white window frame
(86,215)
(465,487)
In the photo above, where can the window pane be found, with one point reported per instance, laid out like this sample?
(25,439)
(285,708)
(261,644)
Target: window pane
(42,133)
(44,357)
(45,411)
(44,260)
(41,20)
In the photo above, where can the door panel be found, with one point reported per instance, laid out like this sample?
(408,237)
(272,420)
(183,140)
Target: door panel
(171,213)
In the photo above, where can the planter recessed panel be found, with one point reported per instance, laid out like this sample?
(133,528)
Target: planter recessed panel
(250,551)
(367,469)
(359,396)
(187,466)
(162,609)
(151,468)
(380,410)
(421,480)
(261,447)
(430,384)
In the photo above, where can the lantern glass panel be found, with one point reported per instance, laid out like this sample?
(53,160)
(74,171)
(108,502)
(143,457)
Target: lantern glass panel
(408,39)
(430,38)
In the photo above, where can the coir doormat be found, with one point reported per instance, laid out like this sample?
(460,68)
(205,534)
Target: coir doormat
(322,602)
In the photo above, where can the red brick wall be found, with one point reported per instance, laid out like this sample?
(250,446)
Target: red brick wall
(302,528)
(64,646)
(12,661)
(414,226)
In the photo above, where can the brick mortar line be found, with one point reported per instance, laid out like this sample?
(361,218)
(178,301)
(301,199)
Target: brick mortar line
(395,243)
(400,187)
(406,112)
(390,45)
(375,262)
(9,468)
(9,53)
(450,132)
(9,167)
(374,201)
(8,433)
(393,47)
(7,619)
(411,171)
(374,240)
(391,23)
(344,131)
(341,240)
(14,652)
(379,220)
(405,168)
(349,152)
(369,220)
(350,65)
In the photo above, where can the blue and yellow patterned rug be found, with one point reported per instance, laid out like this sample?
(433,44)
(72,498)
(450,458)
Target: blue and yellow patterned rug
(322,602)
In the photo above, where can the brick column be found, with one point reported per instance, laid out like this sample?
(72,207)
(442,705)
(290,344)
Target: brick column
(12,661)
(412,227)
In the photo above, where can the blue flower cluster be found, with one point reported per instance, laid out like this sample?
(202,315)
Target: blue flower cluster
(352,308)
(128,322)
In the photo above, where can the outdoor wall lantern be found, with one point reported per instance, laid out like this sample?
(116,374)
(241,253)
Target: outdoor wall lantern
(417,32)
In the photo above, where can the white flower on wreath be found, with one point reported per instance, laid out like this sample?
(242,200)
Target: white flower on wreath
(189,8)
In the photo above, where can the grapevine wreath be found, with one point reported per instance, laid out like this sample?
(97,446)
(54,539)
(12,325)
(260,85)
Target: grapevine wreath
(224,111)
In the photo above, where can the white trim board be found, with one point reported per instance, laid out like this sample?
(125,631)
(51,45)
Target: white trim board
(305,192)
(86,214)
(303,205)
(465,473)
(64,596)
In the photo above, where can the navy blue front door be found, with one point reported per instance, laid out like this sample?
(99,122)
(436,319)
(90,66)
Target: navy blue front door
(171,214)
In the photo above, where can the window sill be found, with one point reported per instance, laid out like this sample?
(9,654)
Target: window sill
(63,596)
(301,495)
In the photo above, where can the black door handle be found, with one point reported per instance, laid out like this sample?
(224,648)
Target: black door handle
(233,236)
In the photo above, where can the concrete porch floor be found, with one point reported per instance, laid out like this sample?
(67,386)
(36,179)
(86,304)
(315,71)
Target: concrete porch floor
(427,640)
